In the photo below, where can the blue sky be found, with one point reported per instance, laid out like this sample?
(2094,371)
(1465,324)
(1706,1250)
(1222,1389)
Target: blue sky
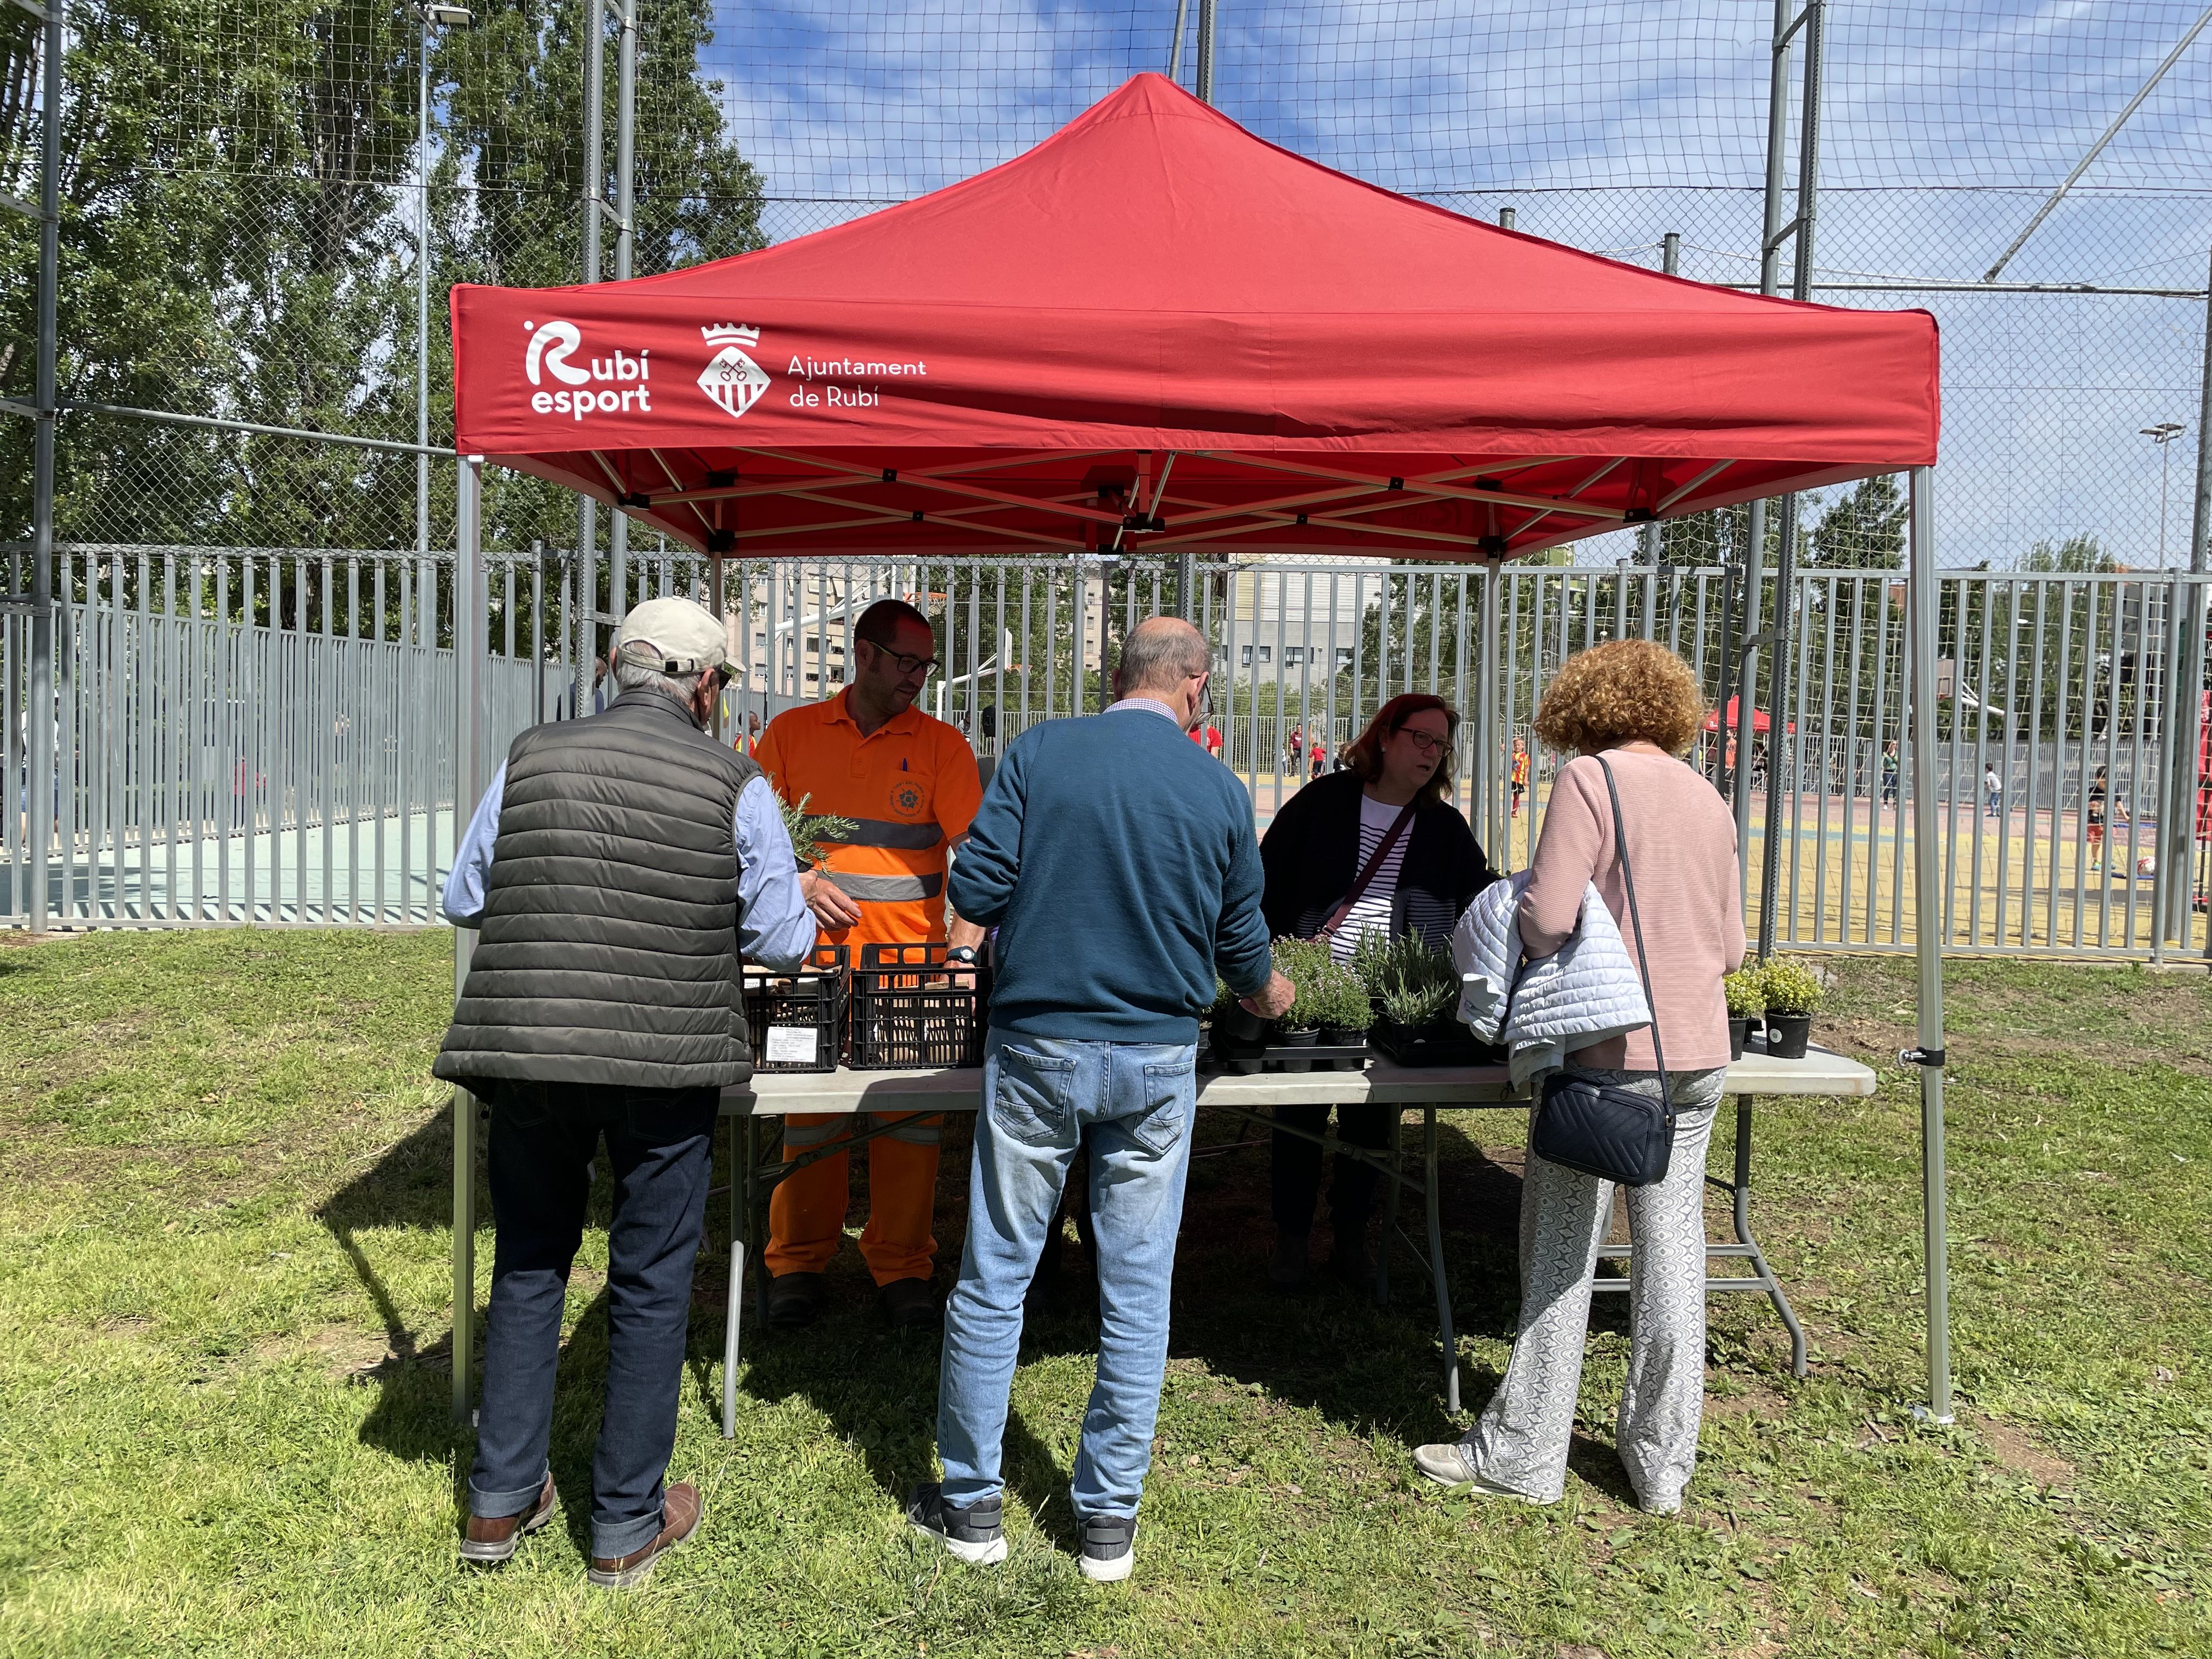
(1605,124)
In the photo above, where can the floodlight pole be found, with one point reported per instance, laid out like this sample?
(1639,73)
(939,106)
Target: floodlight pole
(470,776)
(38,811)
(595,187)
(1186,561)
(1927,899)
(2192,654)
(422,293)
(1812,19)
(1670,261)
(625,240)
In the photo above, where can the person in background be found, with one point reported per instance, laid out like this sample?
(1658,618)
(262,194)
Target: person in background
(1636,705)
(1520,774)
(613,871)
(1120,870)
(1395,799)
(1320,756)
(908,784)
(2100,795)
(1993,790)
(1207,736)
(1298,747)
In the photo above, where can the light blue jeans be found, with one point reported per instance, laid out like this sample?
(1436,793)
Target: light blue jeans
(1039,1095)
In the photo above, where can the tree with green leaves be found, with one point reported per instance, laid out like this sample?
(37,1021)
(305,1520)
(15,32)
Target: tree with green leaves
(1861,529)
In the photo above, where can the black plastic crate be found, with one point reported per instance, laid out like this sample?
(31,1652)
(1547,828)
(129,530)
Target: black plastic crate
(796,1021)
(912,1010)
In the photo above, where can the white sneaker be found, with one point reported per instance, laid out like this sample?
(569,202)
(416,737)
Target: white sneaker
(1452,1464)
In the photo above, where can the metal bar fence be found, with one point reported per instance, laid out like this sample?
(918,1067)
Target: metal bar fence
(259,735)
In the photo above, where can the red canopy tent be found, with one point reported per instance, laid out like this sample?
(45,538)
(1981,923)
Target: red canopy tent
(1156,331)
(1761,721)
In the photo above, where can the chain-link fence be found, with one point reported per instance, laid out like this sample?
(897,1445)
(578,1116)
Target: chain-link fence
(263,203)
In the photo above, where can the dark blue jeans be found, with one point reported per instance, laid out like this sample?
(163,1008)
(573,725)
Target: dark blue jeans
(543,1138)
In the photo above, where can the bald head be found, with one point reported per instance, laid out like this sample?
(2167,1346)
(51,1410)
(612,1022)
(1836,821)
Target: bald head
(1160,654)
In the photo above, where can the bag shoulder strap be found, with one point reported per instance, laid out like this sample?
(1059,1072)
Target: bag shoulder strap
(1366,876)
(1636,921)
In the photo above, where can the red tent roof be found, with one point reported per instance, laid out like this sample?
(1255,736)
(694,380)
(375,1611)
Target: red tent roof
(1012,362)
(1761,721)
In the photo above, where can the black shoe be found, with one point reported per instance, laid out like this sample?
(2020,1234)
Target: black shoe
(1353,1267)
(909,1304)
(794,1300)
(973,1534)
(1286,1268)
(1109,1544)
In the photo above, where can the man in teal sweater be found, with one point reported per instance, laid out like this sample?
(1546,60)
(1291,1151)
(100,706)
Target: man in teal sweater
(1117,861)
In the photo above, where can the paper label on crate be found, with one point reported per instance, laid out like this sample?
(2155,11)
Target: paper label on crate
(791,1045)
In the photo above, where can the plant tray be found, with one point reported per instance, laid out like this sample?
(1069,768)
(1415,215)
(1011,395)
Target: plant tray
(1283,1057)
(1432,1045)
(796,1022)
(911,1011)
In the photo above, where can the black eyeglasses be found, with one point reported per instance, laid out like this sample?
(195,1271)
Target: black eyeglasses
(906,664)
(1427,741)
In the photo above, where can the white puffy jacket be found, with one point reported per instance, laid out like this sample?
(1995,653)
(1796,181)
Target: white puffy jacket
(1587,991)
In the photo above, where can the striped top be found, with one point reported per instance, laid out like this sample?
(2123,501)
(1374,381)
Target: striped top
(1373,910)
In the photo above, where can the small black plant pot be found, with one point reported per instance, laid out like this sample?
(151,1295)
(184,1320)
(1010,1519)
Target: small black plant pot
(1306,1037)
(1786,1034)
(1342,1036)
(1740,1033)
(1237,1027)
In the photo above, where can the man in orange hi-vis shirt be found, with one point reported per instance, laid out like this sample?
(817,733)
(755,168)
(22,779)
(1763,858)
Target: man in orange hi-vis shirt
(909,784)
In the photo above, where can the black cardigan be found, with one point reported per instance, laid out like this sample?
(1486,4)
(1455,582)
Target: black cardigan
(1311,854)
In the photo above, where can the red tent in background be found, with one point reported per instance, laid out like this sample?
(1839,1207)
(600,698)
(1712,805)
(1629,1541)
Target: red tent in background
(1156,330)
(1761,722)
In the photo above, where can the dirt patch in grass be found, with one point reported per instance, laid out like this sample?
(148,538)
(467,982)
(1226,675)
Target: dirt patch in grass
(2021,1452)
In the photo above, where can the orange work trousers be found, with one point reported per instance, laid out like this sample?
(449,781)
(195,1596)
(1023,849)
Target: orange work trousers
(806,1211)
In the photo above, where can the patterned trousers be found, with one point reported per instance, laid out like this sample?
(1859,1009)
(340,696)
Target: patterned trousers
(1522,1439)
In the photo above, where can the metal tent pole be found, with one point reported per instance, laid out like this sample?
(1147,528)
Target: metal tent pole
(469,773)
(1927,896)
(1206,50)
(625,241)
(40,810)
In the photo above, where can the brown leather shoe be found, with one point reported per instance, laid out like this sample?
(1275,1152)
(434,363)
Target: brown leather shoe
(487,1541)
(682,1510)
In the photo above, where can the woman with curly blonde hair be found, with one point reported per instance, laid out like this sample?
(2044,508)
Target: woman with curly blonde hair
(1631,707)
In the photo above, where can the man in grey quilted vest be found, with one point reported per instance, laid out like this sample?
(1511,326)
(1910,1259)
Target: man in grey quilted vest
(615,869)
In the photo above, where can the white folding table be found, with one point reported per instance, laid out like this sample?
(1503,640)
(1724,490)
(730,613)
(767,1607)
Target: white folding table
(771,1096)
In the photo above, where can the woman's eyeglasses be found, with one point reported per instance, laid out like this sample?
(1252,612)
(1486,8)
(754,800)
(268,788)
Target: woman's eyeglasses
(1426,743)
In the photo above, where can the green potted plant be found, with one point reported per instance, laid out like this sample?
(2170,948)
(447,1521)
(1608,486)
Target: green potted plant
(1305,964)
(1793,993)
(1746,990)
(1346,1011)
(1417,991)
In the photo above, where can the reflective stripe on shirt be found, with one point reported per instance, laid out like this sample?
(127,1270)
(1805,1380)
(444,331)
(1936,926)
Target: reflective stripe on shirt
(885,889)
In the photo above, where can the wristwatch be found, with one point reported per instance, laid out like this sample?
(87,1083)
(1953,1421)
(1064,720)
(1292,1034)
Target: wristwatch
(964,955)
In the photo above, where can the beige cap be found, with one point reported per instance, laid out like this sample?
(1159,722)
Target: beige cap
(676,636)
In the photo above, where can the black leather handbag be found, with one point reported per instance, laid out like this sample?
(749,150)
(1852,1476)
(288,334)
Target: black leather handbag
(1603,1130)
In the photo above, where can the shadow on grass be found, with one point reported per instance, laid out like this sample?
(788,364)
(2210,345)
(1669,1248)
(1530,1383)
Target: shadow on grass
(1369,1370)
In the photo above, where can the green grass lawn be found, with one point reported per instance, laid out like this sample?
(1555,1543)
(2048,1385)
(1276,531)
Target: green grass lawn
(224,1365)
